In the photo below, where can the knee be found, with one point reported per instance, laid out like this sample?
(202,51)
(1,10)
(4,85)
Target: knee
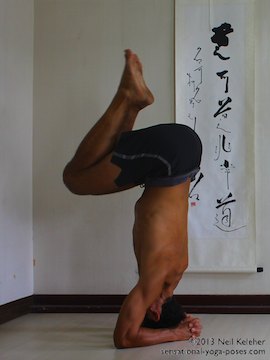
(72,181)
(69,181)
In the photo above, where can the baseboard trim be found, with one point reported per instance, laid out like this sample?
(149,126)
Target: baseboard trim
(77,303)
(15,309)
(198,304)
(211,304)
(226,304)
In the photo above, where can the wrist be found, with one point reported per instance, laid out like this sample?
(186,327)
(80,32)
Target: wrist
(174,334)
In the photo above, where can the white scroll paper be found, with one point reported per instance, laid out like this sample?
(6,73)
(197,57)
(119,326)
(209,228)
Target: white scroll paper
(215,96)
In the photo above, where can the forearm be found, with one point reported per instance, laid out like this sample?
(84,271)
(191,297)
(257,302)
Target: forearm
(147,337)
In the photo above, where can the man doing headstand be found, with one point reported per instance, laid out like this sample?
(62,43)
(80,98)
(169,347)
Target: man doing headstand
(165,158)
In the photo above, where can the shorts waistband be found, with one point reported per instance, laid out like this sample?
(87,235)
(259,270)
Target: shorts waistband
(172,180)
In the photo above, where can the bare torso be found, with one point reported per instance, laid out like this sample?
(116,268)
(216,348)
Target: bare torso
(160,233)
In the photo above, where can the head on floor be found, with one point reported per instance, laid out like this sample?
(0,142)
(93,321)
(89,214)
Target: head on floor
(164,315)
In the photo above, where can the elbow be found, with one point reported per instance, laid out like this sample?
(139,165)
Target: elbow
(122,341)
(119,342)
(119,345)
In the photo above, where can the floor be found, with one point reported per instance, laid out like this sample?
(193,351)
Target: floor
(89,336)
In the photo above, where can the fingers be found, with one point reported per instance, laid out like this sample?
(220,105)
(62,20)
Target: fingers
(195,327)
(193,324)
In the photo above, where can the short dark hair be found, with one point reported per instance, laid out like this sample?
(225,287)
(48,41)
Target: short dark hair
(171,315)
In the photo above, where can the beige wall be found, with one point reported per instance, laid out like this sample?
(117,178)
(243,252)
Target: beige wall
(83,244)
(16,108)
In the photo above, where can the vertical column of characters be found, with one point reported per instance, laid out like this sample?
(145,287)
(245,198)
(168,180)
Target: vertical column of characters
(195,83)
(223,117)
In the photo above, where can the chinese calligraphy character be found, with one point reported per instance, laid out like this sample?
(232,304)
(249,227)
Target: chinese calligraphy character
(220,38)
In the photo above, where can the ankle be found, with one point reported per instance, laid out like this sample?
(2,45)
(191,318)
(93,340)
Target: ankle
(124,99)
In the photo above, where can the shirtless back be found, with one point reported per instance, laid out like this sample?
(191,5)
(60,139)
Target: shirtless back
(160,232)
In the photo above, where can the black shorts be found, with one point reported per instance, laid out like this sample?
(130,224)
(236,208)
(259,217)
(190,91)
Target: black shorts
(160,155)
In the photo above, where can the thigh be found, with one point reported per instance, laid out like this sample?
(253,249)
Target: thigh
(99,179)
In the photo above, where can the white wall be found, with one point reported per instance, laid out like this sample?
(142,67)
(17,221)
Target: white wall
(16,88)
(83,244)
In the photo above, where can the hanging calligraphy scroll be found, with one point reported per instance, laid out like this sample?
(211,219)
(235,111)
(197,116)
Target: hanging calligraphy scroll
(215,97)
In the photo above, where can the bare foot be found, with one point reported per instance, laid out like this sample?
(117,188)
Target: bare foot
(189,328)
(132,83)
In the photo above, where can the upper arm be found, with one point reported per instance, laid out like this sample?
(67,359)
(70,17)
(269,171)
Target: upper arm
(133,311)
(130,317)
